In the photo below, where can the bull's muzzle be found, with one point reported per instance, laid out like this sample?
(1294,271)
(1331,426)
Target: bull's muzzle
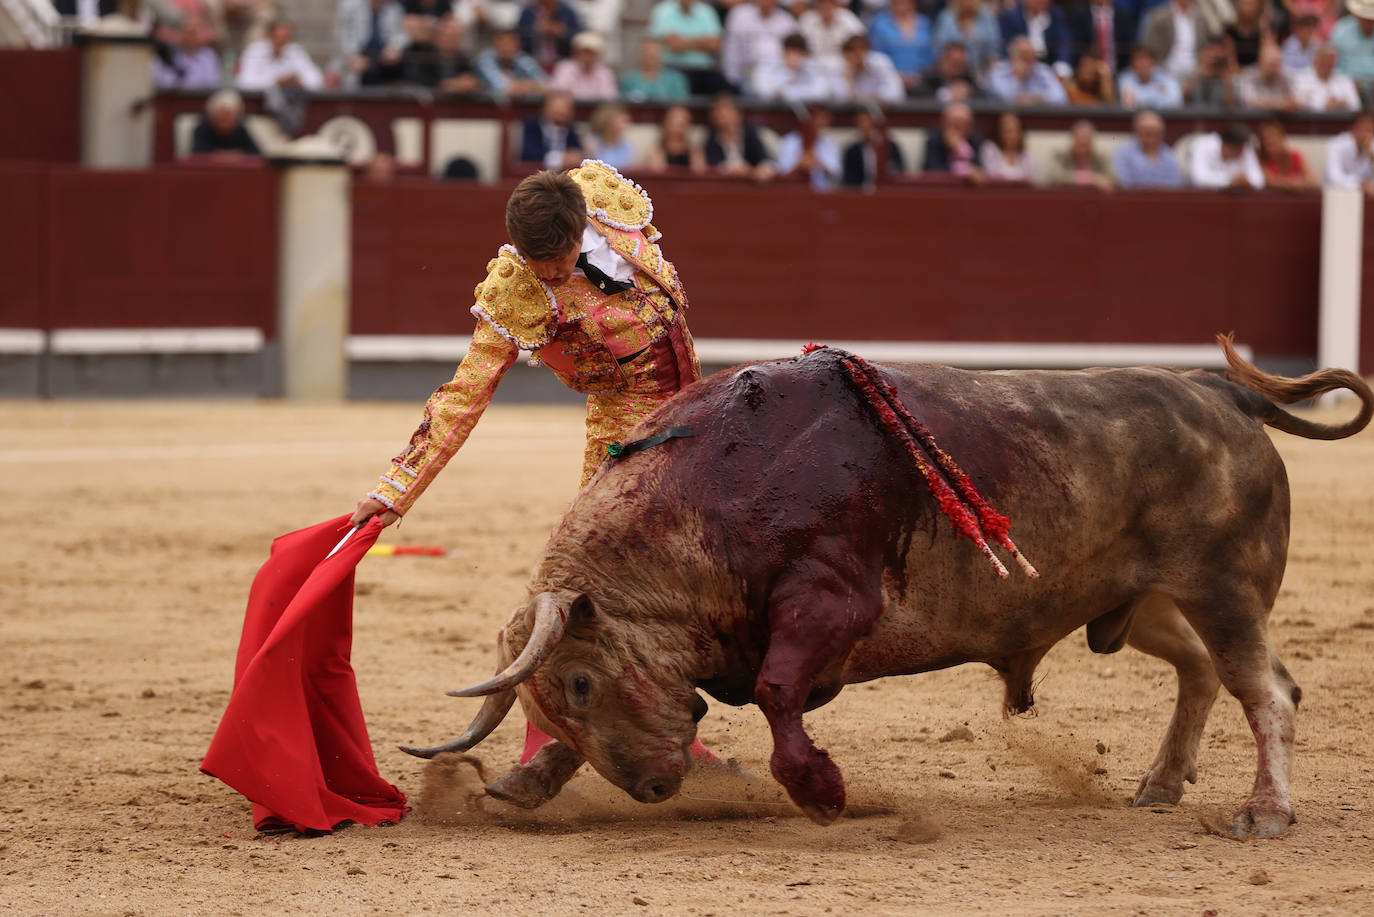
(657,788)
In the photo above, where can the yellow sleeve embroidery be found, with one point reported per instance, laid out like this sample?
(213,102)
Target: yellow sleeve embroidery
(450,414)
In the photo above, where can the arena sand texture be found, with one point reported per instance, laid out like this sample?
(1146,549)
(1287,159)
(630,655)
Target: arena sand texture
(134,531)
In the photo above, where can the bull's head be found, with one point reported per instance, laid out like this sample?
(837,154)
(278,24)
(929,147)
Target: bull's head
(593,682)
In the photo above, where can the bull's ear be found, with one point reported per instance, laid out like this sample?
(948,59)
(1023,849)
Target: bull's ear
(583,620)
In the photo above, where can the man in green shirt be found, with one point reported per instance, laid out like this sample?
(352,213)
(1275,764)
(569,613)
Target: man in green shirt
(690,31)
(653,80)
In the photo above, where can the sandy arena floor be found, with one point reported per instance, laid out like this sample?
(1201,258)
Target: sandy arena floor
(125,561)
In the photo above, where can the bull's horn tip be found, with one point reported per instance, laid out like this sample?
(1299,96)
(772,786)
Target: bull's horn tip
(417,752)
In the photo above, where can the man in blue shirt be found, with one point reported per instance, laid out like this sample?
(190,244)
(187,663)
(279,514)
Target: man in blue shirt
(1147,161)
(1146,85)
(1022,80)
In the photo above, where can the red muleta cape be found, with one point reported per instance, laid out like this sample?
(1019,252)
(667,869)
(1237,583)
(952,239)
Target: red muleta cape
(293,739)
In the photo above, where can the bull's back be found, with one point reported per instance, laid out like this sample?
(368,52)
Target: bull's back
(1115,481)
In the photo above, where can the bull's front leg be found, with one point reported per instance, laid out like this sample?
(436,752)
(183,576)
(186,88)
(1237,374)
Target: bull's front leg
(814,622)
(532,784)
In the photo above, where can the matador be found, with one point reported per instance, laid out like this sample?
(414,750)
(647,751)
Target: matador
(585,288)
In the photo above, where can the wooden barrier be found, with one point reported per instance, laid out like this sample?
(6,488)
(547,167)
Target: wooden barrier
(184,248)
(42,105)
(919,264)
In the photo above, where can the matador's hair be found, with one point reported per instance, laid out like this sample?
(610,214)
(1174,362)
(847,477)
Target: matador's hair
(546,215)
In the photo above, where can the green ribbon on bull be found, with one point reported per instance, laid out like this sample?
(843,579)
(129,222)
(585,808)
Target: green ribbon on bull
(620,450)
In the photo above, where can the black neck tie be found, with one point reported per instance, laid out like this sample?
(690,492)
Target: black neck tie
(608,285)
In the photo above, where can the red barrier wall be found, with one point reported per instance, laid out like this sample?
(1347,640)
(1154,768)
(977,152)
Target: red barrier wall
(24,246)
(180,248)
(42,93)
(945,264)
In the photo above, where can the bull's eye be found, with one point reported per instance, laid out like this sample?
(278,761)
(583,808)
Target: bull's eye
(581,689)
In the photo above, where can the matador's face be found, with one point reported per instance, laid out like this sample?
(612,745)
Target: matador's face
(556,272)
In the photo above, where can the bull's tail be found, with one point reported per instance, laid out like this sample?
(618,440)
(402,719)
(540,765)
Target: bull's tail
(1282,390)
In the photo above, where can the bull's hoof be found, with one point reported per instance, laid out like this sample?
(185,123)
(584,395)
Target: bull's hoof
(1262,820)
(1154,794)
(531,785)
(814,783)
(822,815)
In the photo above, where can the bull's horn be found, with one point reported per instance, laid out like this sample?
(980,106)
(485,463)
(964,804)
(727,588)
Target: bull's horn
(493,711)
(550,620)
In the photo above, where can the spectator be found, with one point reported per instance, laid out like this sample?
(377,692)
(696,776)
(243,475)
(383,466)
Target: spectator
(733,146)
(1300,47)
(1147,86)
(1210,84)
(505,70)
(826,28)
(954,148)
(192,64)
(278,60)
(380,169)
(1324,11)
(968,23)
(1080,164)
(550,137)
(369,37)
(1046,27)
(903,35)
(1247,34)
(441,64)
(585,75)
(1023,80)
(675,148)
(808,152)
(1265,85)
(653,80)
(1105,30)
(245,21)
(422,17)
(1349,158)
(609,142)
(222,130)
(483,20)
(1092,82)
(1146,161)
(951,79)
(1004,154)
(546,29)
(867,76)
(1174,31)
(1284,167)
(793,78)
(1353,37)
(1321,88)
(754,31)
(1224,160)
(873,155)
(603,18)
(691,33)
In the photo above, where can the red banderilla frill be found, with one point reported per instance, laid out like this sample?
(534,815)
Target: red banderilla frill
(971,514)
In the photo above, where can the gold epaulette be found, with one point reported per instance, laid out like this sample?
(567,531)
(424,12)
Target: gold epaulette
(515,302)
(611,197)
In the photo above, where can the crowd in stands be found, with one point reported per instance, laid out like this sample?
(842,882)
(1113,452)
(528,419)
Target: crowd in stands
(1276,55)
(1147,55)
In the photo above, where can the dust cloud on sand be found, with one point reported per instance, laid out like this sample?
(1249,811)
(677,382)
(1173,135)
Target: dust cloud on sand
(135,530)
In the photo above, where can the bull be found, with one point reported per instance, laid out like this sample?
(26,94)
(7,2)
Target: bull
(790,547)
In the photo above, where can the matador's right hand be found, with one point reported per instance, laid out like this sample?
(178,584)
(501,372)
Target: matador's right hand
(369,507)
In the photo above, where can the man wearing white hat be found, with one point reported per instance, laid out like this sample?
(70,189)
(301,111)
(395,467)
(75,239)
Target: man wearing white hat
(585,75)
(1353,37)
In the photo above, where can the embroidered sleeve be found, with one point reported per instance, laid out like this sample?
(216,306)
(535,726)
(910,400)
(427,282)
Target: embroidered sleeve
(450,415)
(612,198)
